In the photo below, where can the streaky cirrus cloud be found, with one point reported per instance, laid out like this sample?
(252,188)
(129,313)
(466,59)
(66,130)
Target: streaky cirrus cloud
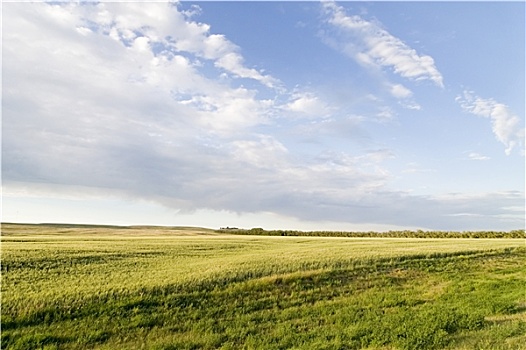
(477,156)
(505,124)
(371,45)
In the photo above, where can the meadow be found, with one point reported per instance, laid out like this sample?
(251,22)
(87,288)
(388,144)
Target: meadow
(96,287)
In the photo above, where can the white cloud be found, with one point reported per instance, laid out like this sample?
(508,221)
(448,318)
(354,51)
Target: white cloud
(228,111)
(505,124)
(161,23)
(265,152)
(385,114)
(233,63)
(307,104)
(412,105)
(141,44)
(404,95)
(193,11)
(477,156)
(370,44)
(400,91)
(84,30)
(115,114)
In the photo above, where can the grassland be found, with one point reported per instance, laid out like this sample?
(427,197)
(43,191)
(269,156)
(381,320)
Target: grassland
(84,287)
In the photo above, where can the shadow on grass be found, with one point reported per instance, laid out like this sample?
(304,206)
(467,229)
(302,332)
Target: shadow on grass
(236,304)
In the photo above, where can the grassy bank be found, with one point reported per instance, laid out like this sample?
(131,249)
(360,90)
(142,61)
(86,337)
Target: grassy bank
(66,287)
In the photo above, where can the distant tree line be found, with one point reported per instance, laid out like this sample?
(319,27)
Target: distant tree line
(398,234)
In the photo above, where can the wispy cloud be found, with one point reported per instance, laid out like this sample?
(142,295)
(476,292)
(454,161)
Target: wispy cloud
(400,91)
(505,124)
(306,104)
(477,156)
(371,45)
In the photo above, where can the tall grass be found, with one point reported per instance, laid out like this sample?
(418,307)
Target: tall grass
(87,287)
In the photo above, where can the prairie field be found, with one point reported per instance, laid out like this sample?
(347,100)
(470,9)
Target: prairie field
(104,287)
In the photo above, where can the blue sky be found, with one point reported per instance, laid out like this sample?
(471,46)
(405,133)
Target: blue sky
(294,115)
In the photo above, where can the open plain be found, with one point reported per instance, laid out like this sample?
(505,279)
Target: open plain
(108,287)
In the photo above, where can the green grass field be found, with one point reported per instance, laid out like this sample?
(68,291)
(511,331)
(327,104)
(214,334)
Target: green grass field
(84,287)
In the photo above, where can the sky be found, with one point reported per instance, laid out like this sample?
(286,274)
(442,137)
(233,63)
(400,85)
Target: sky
(281,115)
